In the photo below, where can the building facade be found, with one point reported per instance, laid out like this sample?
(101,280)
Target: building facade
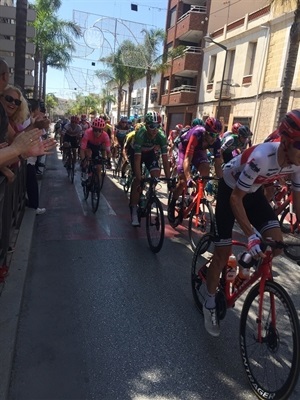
(187,23)
(252,65)
(7,40)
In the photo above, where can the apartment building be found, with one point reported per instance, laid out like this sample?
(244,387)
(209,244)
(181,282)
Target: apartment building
(187,22)
(7,40)
(251,64)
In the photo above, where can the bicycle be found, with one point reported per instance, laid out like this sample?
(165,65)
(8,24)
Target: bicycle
(150,207)
(196,208)
(95,181)
(268,323)
(118,159)
(128,178)
(69,163)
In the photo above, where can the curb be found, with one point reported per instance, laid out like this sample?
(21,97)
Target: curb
(11,299)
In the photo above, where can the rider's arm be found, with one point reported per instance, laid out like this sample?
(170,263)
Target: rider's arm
(166,165)
(189,153)
(296,203)
(218,167)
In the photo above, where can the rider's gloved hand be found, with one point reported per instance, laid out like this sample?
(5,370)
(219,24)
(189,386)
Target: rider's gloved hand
(190,183)
(254,245)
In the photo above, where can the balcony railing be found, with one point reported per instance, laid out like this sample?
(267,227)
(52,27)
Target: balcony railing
(227,90)
(184,88)
(199,9)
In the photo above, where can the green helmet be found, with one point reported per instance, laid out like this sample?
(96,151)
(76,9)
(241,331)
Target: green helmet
(197,121)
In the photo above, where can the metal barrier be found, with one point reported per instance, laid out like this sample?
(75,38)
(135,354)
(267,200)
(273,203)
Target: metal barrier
(12,207)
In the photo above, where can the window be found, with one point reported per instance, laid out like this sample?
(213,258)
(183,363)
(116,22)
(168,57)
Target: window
(230,64)
(251,53)
(212,69)
(172,17)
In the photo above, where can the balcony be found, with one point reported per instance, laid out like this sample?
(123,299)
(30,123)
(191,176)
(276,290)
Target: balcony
(188,64)
(191,24)
(228,90)
(180,95)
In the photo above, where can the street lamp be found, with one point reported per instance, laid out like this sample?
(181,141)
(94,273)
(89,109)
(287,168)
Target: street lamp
(209,39)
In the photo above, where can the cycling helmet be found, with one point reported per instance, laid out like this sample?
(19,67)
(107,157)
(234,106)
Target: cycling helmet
(178,127)
(290,125)
(98,123)
(152,117)
(197,121)
(244,131)
(83,117)
(213,125)
(235,128)
(74,119)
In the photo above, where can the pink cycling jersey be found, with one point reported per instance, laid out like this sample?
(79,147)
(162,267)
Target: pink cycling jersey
(90,138)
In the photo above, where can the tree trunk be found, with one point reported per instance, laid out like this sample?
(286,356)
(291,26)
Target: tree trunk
(290,65)
(148,84)
(44,80)
(130,89)
(36,75)
(20,44)
(41,77)
(120,98)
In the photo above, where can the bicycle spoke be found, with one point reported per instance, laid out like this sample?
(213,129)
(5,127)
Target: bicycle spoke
(272,361)
(201,222)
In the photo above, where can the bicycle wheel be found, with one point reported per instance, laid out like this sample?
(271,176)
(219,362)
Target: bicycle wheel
(95,192)
(272,363)
(71,171)
(155,224)
(128,177)
(199,265)
(103,174)
(86,190)
(201,223)
(284,221)
(178,212)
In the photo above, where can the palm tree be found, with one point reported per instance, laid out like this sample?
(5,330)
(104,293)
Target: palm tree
(292,57)
(50,31)
(20,45)
(106,98)
(152,40)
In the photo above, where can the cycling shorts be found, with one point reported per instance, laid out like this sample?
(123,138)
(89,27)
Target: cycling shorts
(72,140)
(198,158)
(149,158)
(262,217)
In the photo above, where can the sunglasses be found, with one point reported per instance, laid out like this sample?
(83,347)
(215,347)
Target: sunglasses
(213,135)
(97,130)
(153,126)
(10,99)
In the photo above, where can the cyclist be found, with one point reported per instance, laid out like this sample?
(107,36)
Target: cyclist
(241,197)
(128,155)
(193,152)
(148,138)
(232,145)
(234,130)
(84,123)
(94,140)
(71,135)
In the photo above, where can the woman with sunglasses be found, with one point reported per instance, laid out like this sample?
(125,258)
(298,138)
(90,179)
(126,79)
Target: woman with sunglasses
(192,151)
(241,197)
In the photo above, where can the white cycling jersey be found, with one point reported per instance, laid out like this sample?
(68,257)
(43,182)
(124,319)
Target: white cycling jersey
(257,166)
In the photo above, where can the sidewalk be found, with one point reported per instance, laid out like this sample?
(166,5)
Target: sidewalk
(11,296)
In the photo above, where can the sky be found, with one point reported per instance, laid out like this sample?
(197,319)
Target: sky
(104,23)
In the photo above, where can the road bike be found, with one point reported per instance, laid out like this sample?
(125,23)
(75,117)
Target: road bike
(150,207)
(95,180)
(269,325)
(70,162)
(196,207)
(128,178)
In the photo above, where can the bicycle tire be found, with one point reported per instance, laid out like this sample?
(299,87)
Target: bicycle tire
(197,264)
(285,225)
(205,223)
(95,192)
(178,210)
(72,172)
(262,358)
(86,191)
(103,174)
(128,177)
(155,224)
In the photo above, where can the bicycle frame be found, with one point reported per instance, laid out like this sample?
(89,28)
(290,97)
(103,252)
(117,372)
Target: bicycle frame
(196,199)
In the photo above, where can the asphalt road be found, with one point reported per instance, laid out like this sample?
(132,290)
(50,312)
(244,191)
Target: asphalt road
(103,318)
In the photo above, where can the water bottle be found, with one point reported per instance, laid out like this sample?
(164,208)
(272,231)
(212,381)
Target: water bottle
(142,201)
(231,268)
(246,261)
